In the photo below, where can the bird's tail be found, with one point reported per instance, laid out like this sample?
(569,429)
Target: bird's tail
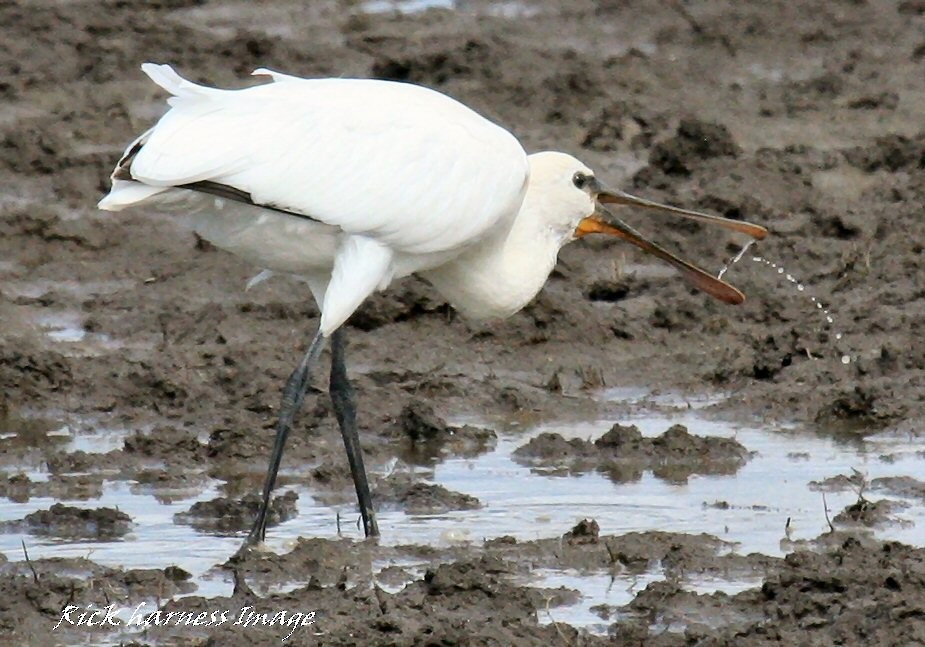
(125,191)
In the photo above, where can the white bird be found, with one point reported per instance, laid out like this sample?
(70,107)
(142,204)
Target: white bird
(353,183)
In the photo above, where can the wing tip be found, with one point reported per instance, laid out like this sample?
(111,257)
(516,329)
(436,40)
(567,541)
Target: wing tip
(164,76)
(167,78)
(276,77)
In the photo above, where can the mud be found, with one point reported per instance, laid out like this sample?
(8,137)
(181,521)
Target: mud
(223,515)
(413,496)
(423,438)
(133,360)
(70,522)
(623,454)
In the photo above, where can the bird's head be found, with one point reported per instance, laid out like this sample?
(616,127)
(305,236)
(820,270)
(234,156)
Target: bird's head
(577,204)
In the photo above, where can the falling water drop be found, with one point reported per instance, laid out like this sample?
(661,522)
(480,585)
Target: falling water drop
(830,320)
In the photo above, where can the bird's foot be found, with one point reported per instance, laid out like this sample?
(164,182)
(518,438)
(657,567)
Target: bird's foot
(254,539)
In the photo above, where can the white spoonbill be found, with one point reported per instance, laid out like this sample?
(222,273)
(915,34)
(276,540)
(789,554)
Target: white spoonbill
(352,183)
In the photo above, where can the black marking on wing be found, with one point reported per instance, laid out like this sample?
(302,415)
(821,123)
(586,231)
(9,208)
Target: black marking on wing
(230,193)
(124,172)
(126,161)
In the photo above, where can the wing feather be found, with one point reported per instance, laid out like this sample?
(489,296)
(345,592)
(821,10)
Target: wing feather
(275,76)
(407,166)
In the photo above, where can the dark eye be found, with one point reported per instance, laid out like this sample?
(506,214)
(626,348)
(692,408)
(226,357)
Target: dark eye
(580,180)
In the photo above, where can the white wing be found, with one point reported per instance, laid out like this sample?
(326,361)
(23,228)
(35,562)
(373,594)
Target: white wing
(401,164)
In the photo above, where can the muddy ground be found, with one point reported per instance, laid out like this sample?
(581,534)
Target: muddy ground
(803,116)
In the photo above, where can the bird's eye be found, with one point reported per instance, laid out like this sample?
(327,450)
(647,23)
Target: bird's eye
(580,180)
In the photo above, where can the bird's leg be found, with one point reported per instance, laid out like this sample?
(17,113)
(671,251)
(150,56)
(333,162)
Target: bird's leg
(344,401)
(293,395)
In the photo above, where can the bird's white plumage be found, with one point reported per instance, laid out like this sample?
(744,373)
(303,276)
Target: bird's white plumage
(395,179)
(362,266)
(318,147)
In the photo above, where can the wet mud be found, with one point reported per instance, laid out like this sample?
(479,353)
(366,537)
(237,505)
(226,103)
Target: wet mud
(134,364)
(624,454)
(70,522)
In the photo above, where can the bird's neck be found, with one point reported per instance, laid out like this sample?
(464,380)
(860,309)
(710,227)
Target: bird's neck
(501,273)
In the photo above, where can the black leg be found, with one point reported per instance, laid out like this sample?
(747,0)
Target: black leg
(293,395)
(344,400)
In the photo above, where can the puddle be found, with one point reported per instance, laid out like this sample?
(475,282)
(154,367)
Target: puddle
(750,509)
(501,9)
(36,288)
(86,435)
(603,593)
(67,327)
(20,438)
(152,543)
(596,589)
(62,326)
(406,6)
(99,440)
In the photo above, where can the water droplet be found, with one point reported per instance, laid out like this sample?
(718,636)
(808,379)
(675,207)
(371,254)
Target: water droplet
(829,319)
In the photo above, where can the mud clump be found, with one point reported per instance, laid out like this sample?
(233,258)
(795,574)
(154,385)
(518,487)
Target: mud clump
(585,531)
(869,513)
(859,408)
(73,523)
(694,142)
(224,515)
(851,590)
(623,453)
(16,488)
(609,290)
(403,491)
(891,153)
(167,443)
(19,488)
(430,434)
(904,486)
(621,123)
(852,577)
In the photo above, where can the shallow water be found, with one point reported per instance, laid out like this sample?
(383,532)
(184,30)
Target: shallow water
(503,8)
(406,6)
(528,504)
